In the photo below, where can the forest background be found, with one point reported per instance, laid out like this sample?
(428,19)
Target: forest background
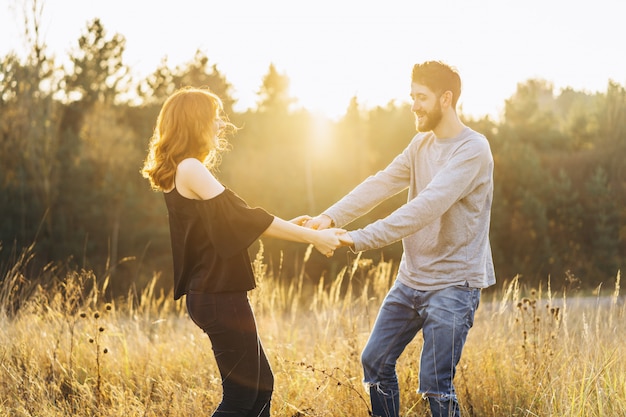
(73,139)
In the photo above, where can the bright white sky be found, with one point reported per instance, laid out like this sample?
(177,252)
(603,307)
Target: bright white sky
(332,50)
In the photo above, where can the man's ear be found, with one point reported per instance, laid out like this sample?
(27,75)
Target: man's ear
(446,99)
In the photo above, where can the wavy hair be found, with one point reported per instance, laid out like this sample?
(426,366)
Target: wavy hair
(188,126)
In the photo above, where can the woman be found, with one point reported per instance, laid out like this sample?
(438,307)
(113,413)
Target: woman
(211,229)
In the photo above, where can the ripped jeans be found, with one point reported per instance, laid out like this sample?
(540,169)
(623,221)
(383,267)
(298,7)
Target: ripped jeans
(445,317)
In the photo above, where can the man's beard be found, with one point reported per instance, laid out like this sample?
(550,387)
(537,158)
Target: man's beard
(430,121)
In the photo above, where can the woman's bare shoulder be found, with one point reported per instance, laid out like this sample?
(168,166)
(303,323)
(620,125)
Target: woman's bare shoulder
(194,180)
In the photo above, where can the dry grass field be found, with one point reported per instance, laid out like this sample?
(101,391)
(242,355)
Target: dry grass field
(533,352)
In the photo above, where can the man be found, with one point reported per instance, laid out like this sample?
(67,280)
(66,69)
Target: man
(444,228)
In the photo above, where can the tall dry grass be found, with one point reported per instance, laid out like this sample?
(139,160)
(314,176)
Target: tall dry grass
(64,351)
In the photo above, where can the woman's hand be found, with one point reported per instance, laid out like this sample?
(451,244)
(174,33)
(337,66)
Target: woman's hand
(325,241)
(328,240)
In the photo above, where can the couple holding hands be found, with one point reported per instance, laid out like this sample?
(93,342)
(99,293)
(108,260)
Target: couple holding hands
(444,227)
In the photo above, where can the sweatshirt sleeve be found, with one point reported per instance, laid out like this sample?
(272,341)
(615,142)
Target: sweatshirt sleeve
(461,174)
(232,226)
(373,191)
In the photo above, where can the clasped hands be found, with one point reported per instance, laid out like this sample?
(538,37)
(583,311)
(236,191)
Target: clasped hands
(328,238)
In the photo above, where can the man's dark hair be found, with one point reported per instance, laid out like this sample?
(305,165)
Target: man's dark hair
(439,77)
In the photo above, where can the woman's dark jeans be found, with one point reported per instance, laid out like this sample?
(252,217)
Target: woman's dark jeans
(247,378)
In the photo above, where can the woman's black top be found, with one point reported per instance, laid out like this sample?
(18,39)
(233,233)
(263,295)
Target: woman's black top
(210,240)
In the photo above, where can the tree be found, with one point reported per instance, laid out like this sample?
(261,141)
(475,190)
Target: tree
(274,93)
(520,219)
(351,140)
(100,152)
(613,114)
(565,219)
(29,124)
(195,73)
(578,115)
(530,115)
(603,231)
(390,128)
(98,72)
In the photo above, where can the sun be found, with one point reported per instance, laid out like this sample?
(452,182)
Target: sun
(320,136)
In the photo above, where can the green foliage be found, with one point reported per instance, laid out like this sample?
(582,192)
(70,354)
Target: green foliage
(98,72)
(274,95)
(530,115)
(603,238)
(72,142)
(559,184)
(196,73)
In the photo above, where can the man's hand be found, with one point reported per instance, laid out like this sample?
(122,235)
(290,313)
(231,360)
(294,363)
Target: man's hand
(319,223)
(301,220)
(345,240)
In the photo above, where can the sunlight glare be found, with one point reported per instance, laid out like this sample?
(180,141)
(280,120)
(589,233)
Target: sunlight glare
(320,138)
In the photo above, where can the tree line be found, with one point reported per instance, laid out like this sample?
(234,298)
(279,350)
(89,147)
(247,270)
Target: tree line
(73,138)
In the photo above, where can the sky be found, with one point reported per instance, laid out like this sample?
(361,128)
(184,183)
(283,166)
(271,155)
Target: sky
(333,50)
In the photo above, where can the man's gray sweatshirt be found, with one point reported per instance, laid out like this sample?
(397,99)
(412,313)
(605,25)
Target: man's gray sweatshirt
(444,225)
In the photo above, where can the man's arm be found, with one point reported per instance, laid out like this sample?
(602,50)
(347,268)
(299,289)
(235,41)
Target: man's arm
(452,183)
(367,195)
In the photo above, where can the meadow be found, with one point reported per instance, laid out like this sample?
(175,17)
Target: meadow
(65,350)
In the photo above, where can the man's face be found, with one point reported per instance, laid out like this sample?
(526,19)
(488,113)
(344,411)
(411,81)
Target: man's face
(426,107)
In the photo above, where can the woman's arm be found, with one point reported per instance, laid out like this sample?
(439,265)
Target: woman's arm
(195,181)
(325,241)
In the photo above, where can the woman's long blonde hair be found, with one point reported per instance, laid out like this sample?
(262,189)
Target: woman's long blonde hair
(186,128)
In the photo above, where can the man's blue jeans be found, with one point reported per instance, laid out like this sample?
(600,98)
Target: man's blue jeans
(445,317)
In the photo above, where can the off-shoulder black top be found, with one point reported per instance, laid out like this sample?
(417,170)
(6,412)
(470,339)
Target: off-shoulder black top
(210,240)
